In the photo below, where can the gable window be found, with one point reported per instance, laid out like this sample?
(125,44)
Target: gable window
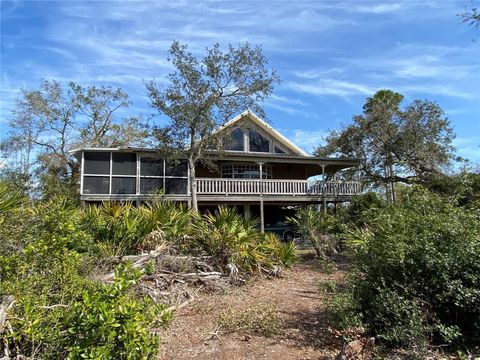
(257,142)
(235,142)
(278,150)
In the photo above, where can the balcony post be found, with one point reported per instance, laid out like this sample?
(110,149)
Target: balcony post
(262,217)
(323,190)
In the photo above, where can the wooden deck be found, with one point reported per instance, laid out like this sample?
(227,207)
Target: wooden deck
(268,188)
(221,190)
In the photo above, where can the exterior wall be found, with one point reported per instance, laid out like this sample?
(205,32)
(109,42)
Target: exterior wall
(279,171)
(289,171)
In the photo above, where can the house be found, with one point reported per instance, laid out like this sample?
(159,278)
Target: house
(260,171)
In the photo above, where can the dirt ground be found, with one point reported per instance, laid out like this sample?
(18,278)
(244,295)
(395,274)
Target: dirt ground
(298,301)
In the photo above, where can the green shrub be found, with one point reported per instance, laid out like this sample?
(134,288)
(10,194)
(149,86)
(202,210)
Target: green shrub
(116,227)
(316,226)
(122,228)
(287,253)
(343,311)
(417,273)
(57,311)
(110,323)
(232,238)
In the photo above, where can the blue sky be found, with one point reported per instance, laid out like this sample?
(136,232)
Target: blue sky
(330,55)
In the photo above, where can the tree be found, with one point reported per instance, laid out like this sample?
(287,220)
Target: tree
(203,94)
(394,144)
(51,120)
(471,17)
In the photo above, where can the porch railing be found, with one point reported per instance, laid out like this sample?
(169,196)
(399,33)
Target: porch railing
(219,186)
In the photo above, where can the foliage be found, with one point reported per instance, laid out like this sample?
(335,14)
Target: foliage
(57,311)
(116,227)
(472,17)
(462,189)
(231,238)
(202,95)
(9,199)
(121,228)
(417,273)
(287,253)
(111,323)
(49,121)
(394,144)
(260,319)
(360,205)
(327,286)
(315,225)
(41,271)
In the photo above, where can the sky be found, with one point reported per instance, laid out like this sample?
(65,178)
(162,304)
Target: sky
(330,55)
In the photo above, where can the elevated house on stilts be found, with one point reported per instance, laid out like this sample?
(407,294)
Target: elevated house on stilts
(260,171)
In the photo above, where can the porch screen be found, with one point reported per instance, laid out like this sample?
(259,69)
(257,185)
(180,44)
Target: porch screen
(117,173)
(159,176)
(96,172)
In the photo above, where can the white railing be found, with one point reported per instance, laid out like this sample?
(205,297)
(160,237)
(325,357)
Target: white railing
(219,186)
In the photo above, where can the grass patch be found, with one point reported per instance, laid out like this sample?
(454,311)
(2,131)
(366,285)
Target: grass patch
(260,319)
(327,286)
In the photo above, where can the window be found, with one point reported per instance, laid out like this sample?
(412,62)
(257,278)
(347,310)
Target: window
(151,186)
(154,178)
(123,185)
(176,186)
(236,141)
(124,164)
(245,171)
(115,173)
(278,150)
(151,167)
(258,143)
(96,163)
(176,169)
(96,185)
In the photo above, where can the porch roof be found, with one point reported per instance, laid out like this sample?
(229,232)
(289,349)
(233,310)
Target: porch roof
(312,164)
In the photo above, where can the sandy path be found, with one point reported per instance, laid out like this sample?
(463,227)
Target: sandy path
(300,304)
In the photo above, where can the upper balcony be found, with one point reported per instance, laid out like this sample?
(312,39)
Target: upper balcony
(244,189)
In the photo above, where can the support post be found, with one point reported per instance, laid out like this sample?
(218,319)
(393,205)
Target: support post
(323,190)
(246,210)
(262,216)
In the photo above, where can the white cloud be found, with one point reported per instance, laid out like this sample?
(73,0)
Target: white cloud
(308,140)
(334,87)
(468,148)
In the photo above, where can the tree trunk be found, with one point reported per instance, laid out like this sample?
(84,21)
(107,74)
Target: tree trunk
(387,184)
(193,184)
(392,184)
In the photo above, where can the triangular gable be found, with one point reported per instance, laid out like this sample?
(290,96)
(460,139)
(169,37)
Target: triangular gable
(277,136)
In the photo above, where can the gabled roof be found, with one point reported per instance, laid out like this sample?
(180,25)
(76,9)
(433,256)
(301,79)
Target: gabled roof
(270,130)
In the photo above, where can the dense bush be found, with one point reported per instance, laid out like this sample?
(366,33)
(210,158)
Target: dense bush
(121,228)
(316,226)
(462,189)
(417,272)
(232,238)
(110,323)
(53,308)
